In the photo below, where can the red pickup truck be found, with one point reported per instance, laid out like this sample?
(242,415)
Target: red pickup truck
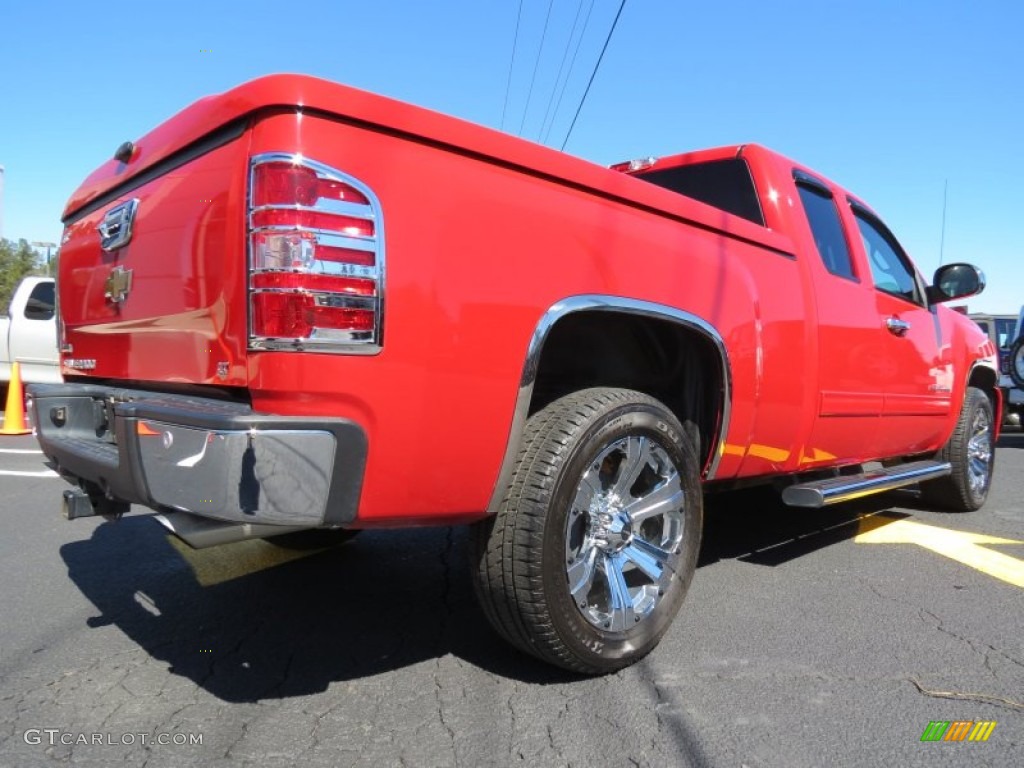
(295,305)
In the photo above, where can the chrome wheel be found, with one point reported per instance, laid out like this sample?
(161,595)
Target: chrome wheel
(970,452)
(593,549)
(979,452)
(624,533)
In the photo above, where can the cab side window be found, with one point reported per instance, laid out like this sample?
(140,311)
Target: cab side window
(40,304)
(826,227)
(725,184)
(890,270)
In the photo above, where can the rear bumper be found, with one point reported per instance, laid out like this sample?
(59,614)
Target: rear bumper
(213,458)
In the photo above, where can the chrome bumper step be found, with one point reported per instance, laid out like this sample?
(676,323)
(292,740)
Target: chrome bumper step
(832,490)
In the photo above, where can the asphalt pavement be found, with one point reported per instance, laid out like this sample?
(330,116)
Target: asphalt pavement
(809,638)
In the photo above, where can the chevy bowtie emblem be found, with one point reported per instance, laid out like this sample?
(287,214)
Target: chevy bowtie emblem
(118,285)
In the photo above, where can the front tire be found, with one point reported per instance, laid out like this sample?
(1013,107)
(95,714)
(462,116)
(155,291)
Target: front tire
(594,546)
(971,451)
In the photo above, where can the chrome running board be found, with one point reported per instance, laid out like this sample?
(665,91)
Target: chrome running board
(832,490)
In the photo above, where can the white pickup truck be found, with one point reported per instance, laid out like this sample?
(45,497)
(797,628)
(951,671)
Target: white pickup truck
(28,333)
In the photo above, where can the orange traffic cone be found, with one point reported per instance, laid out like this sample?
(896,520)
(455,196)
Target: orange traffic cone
(14,413)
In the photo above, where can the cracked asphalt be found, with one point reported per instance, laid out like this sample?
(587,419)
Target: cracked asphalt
(797,646)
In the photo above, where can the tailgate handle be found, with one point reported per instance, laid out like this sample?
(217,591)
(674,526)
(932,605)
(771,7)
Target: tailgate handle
(897,326)
(116,227)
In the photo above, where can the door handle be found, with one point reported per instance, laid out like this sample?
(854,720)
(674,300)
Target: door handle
(897,327)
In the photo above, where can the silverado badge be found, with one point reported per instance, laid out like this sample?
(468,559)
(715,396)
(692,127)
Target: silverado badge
(118,285)
(116,227)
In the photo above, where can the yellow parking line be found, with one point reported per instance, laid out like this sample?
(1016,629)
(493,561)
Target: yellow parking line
(966,548)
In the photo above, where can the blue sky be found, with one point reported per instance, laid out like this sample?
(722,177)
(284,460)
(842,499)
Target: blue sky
(890,99)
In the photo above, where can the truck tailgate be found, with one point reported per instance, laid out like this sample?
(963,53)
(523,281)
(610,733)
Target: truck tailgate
(161,297)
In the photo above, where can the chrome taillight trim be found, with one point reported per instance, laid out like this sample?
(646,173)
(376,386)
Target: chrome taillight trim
(325,237)
(334,207)
(324,340)
(339,269)
(316,343)
(328,298)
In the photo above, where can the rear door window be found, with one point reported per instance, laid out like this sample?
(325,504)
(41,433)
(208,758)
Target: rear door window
(826,227)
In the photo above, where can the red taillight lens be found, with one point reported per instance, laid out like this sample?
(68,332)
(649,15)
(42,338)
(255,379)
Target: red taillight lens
(343,318)
(284,183)
(296,315)
(299,281)
(345,255)
(282,315)
(328,189)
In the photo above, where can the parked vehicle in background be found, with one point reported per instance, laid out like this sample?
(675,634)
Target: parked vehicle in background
(1014,362)
(28,333)
(299,305)
(1003,331)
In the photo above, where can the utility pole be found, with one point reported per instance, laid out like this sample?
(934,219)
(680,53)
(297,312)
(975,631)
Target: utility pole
(47,246)
(942,240)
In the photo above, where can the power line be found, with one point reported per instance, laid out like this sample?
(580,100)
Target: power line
(508,84)
(572,65)
(529,94)
(593,74)
(561,66)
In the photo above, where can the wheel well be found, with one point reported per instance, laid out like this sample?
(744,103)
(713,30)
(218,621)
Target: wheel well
(679,366)
(985,379)
(982,377)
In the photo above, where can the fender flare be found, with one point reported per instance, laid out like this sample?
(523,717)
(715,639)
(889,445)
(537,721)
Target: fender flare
(617,304)
(996,393)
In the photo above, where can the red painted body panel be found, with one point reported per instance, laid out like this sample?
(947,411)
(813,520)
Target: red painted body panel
(485,233)
(473,265)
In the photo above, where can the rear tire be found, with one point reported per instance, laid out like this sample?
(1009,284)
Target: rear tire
(594,546)
(971,451)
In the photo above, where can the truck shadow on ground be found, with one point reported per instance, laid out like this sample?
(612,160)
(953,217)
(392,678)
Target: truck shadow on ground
(754,526)
(1011,439)
(252,621)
